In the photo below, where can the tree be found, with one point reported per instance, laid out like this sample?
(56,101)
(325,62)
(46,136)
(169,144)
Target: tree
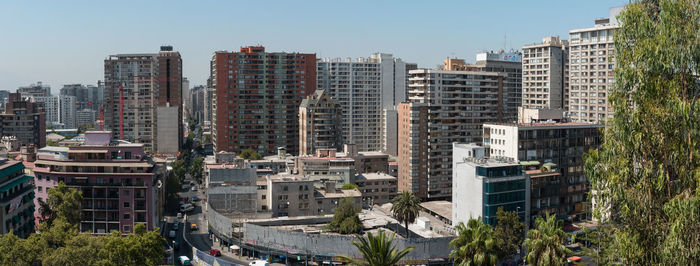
(172,186)
(179,169)
(406,208)
(196,169)
(63,202)
(349,186)
(345,219)
(545,243)
(509,232)
(250,154)
(474,244)
(377,250)
(646,173)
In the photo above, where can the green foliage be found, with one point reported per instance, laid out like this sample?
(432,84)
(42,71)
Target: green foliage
(172,186)
(61,244)
(250,154)
(596,240)
(646,173)
(350,186)
(345,219)
(475,244)
(406,208)
(377,250)
(179,169)
(62,202)
(197,169)
(52,143)
(509,231)
(545,243)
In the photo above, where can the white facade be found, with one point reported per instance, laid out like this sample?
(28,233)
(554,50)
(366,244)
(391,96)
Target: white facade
(60,110)
(167,130)
(51,107)
(503,141)
(591,66)
(471,177)
(390,131)
(364,88)
(67,111)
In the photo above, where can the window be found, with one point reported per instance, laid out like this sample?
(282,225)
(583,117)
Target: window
(126,204)
(127,216)
(127,228)
(38,188)
(127,155)
(264,196)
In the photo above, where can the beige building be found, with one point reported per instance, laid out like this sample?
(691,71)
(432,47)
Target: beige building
(444,107)
(319,123)
(545,74)
(293,195)
(376,188)
(325,166)
(591,65)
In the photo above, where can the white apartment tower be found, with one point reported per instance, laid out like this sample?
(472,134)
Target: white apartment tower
(60,110)
(591,64)
(545,74)
(365,87)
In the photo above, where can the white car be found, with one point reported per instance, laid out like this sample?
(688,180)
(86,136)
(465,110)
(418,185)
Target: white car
(194,188)
(259,263)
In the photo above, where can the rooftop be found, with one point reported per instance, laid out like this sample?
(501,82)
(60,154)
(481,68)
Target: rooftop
(374,176)
(440,207)
(340,193)
(547,124)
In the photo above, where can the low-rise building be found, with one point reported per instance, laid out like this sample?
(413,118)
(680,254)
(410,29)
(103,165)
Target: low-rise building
(16,194)
(325,166)
(482,185)
(376,188)
(294,195)
(115,177)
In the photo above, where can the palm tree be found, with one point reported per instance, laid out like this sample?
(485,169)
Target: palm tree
(545,243)
(406,208)
(474,245)
(376,251)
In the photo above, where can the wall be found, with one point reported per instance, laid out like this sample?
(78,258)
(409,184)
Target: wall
(333,245)
(167,131)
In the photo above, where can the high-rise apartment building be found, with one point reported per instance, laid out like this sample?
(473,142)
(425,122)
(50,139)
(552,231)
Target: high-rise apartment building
(506,63)
(60,110)
(319,123)
(196,105)
(35,90)
(51,107)
(443,107)
(86,117)
(117,182)
(16,194)
(559,143)
(25,120)
(365,88)
(545,74)
(591,64)
(256,98)
(139,86)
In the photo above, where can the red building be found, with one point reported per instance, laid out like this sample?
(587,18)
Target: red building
(257,97)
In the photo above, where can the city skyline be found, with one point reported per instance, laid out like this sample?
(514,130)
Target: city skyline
(199,29)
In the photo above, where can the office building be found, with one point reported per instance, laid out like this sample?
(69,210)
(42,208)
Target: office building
(319,123)
(364,88)
(25,120)
(481,185)
(444,106)
(591,66)
(35,90)
(560,143)
(256,98)
(545,74)
(16,195)
(140,88)
(116,180)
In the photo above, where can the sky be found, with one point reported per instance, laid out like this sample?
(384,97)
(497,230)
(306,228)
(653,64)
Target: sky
(66,42)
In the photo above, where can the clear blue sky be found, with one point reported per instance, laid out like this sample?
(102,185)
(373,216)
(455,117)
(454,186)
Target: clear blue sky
(63,42)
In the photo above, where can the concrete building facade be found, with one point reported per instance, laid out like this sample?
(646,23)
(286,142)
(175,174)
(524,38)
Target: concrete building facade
(560,143)
(116,180)
(25,120)
(482,185)
(376,188)
(35,90)
(86,117)
(444,106)
(545,74)
(591,66)
(319,123)
(147,81)
(256,98)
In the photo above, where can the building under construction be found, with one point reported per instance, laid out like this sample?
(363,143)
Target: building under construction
(143,99)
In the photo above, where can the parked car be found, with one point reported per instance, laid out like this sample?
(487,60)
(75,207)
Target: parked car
(193,227)
(194,199)
(215,252)
(259,263)
(179,215)
(194,188)
(184,260)
(172,234)
(176,226)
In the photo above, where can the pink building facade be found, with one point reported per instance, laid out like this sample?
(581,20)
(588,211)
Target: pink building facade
(116,180)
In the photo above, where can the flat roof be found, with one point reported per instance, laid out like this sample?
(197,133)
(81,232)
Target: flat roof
(374,176)
(440,207)
(547,125)
(105,164)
